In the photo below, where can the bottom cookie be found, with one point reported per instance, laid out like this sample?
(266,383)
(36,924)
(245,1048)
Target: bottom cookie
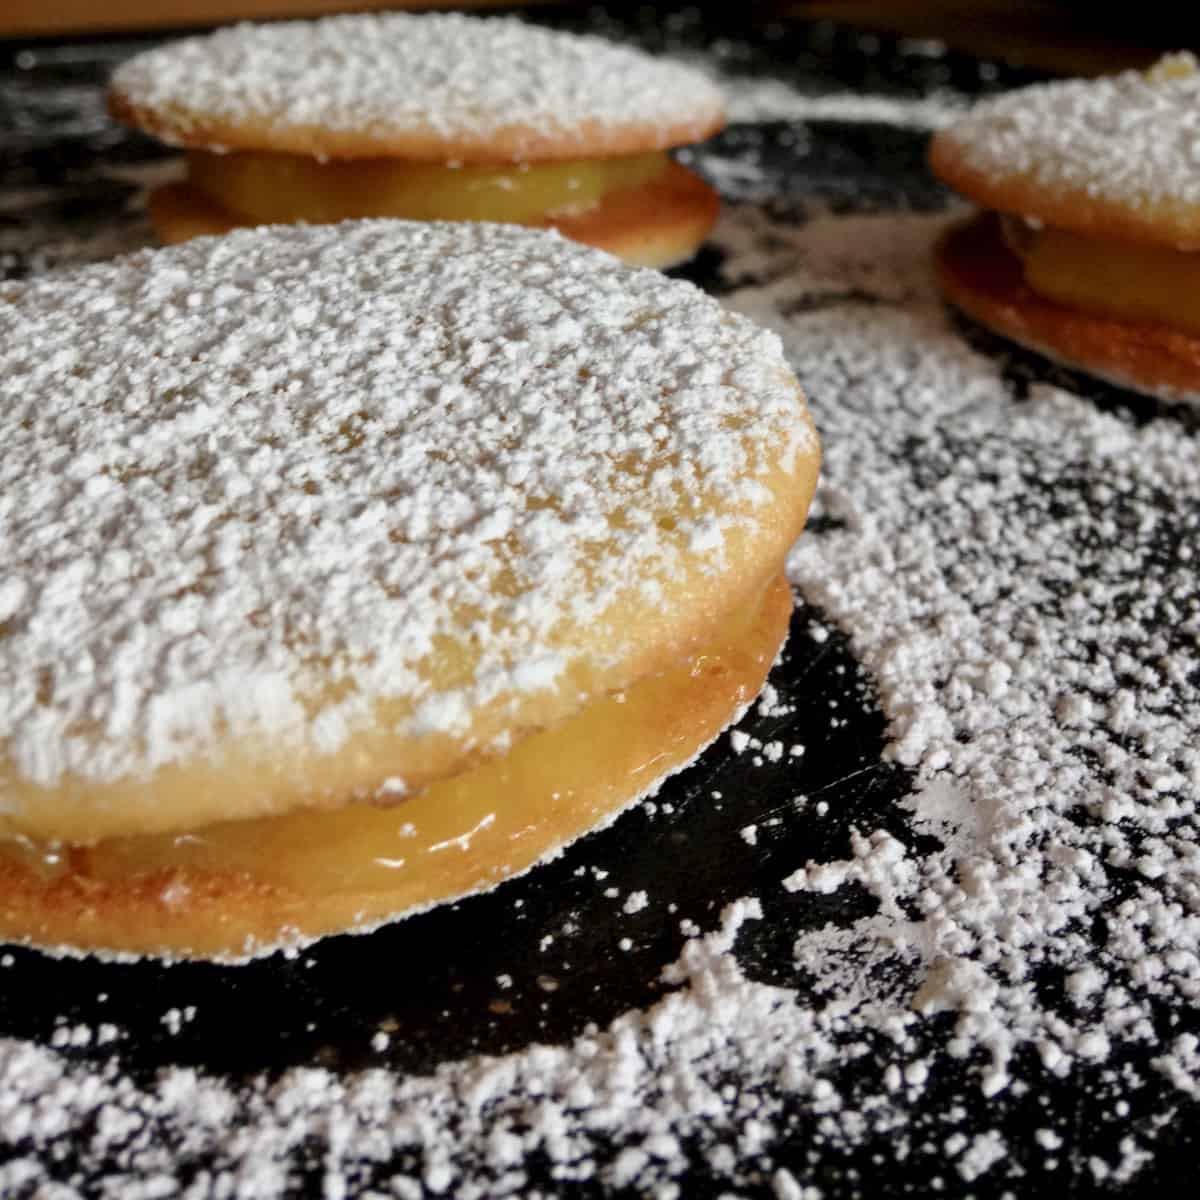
(979,274)
(240,889)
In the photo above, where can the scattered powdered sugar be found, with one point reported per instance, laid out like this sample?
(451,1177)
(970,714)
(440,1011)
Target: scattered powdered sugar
(61,249)
(206,528)
(459,78)
(466,1130)
(1017,579)
(750,99)
(1132,139)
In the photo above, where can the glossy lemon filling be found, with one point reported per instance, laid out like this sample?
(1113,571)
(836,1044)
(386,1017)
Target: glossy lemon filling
(482,825)
(1113,279)
(286,188)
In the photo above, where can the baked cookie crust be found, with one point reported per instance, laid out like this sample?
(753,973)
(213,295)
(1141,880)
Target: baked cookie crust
(1109,158)
(980,275)
(426,88)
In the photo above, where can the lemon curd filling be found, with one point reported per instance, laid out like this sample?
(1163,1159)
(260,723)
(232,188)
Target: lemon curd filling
(1116,279)
(286,188)
(476,828)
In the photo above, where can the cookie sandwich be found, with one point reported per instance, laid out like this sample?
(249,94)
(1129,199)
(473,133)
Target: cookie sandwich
(1088,248)
(351,569)
(426,117)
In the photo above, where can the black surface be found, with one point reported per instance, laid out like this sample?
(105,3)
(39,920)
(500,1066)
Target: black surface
(443,1002)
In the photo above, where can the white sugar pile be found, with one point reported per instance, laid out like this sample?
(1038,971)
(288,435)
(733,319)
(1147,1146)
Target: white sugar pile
(1017,579)
(1005,574)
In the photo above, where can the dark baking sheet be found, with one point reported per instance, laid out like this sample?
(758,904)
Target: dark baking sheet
(431,981)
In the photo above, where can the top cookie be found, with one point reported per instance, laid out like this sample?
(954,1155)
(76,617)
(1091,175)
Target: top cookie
(1117,157)
(270,498)
(430,88)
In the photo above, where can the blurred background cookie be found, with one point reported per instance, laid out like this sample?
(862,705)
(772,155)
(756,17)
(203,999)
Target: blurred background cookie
(427,117)
(1089,247)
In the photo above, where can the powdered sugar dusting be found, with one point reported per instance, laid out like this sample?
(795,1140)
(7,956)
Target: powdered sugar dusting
(750,99)
(504,1110)
(241,471)
(1132,139)
(386,75)
(1006,628)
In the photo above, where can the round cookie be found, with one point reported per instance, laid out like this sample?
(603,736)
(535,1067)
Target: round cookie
(308,520)
(1099,249)
(405,91)
(1112,158)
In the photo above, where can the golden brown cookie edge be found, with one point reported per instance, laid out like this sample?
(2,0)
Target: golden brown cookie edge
(190,913)
(982,277)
